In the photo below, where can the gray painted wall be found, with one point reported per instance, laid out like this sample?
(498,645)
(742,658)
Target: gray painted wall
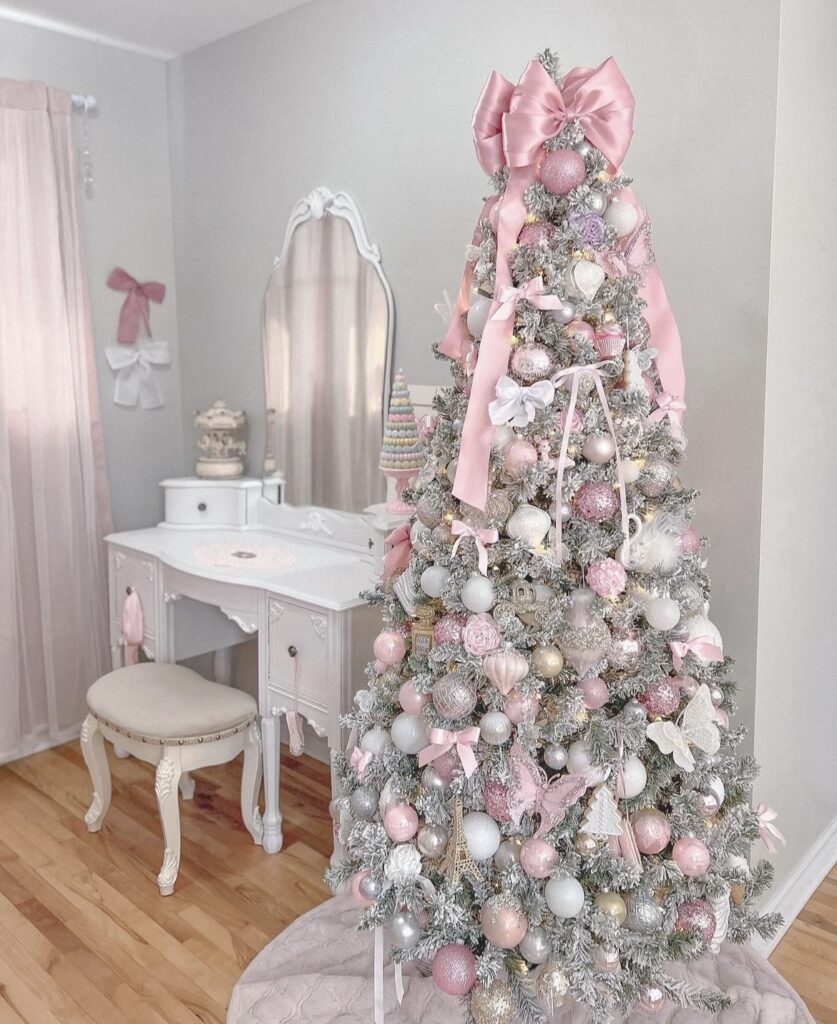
(127,223)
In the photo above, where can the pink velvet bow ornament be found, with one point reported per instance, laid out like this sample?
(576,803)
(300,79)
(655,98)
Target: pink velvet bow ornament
(533,794)
(441,741)
(359,760)
(135,308)
(480,535)
(702,646)
(398,553)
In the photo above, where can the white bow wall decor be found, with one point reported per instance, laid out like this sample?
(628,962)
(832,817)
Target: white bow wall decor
(517,405)
(136,381)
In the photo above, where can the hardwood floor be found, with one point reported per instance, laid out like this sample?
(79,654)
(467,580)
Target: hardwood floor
(85,937)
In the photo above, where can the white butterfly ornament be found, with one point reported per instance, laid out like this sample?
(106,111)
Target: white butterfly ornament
(697,729)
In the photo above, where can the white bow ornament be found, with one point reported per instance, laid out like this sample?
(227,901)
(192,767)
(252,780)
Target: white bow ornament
(517,405)
(136,381)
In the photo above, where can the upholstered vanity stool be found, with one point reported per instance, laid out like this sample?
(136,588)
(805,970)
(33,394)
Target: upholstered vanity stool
(171,717)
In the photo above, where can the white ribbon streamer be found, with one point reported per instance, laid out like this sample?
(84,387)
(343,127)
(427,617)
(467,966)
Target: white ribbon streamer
(517,405)
(136,381)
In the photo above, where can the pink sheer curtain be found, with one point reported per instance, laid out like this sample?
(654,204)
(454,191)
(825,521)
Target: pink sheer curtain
(54,503)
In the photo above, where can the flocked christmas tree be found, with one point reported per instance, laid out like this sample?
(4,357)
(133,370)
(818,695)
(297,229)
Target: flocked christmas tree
(546,799)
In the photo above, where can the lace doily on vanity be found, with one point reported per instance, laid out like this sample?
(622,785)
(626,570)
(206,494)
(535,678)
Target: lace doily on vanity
(245,556)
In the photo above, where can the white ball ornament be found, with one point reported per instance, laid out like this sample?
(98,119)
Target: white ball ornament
(501,436)
(477,316)
(622,217)
(478,594)
(578,761)
(564,896)
(633,778)
(495,728)
(630,470)
(662,613)
(598,448)
(482,835)
(433,580)
(409,733)
(375,741)
(535,946)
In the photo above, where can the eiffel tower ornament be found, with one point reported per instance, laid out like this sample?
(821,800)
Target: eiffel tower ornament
(458,860)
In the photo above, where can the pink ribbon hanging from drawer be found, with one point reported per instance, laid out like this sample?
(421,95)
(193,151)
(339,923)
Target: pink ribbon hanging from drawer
(132,627)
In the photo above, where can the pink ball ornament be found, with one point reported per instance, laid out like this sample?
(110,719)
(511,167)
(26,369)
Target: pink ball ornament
(518,708)
(518,456)
(608,578)
(531,362)
(448,630)
(379,666)
(661,698)
(690,541)
(411,700)
(496,799)
(691,856)
(537,233)
(651,830)
(389,647)
(596,502)
(503,922)
(447,765)
(401,823)
(580,330)
(593,692)
(354,888)
(689,686)
(454,969)
(696,916)
(561,170)
(537,858)
(721,718)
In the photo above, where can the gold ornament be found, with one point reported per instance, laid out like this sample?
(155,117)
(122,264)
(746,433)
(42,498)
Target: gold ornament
(585,844)
(612,904)
(551,987)
(493,1003)
(458,859)
(421,634)
(547,661)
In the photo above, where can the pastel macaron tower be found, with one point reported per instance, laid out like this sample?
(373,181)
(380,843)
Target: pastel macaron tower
(402,451)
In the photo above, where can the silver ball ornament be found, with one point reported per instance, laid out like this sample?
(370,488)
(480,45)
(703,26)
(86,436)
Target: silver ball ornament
(535,946)
(404,929)
(597,201)
(656,476)
(432,780)
(336,807)
(555,756)
(457,424)
(370,887)
(432,841)
(644,914)
(584,149)
(716,695)
(364,803)
(598,448)
(652,999)
(565,313)
(495,728)
(633,712)
(508,853)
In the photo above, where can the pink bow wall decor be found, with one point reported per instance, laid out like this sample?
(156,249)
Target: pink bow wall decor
(135,308)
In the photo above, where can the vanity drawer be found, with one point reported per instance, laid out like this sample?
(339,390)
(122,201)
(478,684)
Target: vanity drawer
(210,506)
(297,648)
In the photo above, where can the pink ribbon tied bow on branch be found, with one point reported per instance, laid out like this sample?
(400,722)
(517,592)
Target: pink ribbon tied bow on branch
(135,308)
(398,554)
(767,830)
(441,741)
(481,536)
(534,794)
(534,292)
(671,406)
(601,101)
(359,760)
(702,646)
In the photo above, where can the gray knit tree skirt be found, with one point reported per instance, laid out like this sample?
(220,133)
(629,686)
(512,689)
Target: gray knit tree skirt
(319,971)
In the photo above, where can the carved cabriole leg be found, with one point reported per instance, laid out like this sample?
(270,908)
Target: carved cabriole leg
(166,782)
(251,781)
(272,839)
(187,786)
(93,749)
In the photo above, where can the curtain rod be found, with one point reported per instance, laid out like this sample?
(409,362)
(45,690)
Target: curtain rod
(82,101)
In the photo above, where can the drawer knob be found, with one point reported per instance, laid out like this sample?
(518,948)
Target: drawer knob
(202,506)
(292,651)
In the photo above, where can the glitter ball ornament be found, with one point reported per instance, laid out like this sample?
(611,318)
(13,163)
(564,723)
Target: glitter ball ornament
(691,856)
(447,765)
(561,170)
(363,803)
(410,699)
(537,858)
(389,647)
(593,692)
(656,476)
(555,756)
(651,830)
(696,916)
(454,969)
(583,646)
(432,841)
(537,233)
(448,630)
(644,914)
(496,801)
(481,635)
(481,835)
(595,502)
(607,578)
(430,509)
(547,661)
(495,727)
(535,946)
(502,919)
(531,362)
(401,823)
(688,596)
(690,541)
(625,650)
(454,696)
(493,1003)
(661,698)
(552,986)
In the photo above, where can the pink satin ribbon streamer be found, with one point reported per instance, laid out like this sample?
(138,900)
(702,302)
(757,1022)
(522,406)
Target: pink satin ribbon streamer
(767,830)
(398,555)
(702,646)
(359,760)
(480,536)
(441,741)
(135,308)
(575,373)
(601,101)
(132,627)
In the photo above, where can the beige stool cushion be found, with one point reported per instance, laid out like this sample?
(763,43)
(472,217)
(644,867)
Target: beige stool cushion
(161,703)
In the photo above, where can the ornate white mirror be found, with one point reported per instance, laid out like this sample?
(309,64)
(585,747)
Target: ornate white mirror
(328,325)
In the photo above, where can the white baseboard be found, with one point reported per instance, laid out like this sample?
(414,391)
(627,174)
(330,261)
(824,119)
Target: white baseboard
(39,741)
(800,885)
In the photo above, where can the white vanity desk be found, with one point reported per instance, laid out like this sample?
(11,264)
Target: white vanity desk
(235,564)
